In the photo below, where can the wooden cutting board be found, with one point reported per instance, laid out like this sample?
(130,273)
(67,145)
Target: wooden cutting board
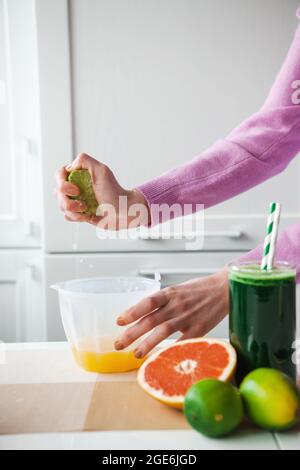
(66,407)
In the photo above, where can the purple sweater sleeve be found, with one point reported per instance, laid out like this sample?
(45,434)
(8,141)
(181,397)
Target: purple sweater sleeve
(261,147)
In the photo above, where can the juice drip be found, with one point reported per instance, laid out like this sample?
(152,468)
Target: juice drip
(75,237)
(99,356)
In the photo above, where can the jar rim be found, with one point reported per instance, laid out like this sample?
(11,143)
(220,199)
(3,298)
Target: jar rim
(247,267)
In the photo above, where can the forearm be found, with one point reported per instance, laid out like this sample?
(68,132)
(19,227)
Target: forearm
(288,249)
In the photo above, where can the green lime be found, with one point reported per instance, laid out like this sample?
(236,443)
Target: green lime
(213,408)
(83,180)
(271,399)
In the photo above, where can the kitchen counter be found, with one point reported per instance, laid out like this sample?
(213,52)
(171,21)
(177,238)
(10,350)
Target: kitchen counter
(51,364)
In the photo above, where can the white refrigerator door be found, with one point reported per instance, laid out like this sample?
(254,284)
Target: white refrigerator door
(146,85)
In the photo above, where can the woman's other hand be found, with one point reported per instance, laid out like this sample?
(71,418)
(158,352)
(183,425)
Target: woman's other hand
(192,308)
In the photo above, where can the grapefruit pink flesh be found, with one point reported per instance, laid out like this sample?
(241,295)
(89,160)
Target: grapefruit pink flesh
(169,373)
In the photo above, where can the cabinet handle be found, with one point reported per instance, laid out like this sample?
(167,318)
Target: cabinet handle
(177,271)
(23,302)
(234,234)
(19,306)
(28,154)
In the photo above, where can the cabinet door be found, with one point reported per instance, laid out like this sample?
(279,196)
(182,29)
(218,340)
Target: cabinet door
(154,84)
(173,269)
(20,188)
(21,297)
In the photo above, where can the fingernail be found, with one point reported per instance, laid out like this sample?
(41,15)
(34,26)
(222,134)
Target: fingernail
(118,345)
(69,167)
(138,354)
(120,321)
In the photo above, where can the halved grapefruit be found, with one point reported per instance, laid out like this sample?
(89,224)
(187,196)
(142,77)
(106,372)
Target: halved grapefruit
(168,374)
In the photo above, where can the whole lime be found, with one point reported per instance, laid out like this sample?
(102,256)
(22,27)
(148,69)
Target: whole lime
(271,399)
(213,408)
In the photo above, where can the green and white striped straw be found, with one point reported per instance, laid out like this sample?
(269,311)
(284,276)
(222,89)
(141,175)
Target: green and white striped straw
(271,237)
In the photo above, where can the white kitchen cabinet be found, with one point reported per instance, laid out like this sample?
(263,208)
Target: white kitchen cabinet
(22,301)
(173,269)
(20,189)
(147,85)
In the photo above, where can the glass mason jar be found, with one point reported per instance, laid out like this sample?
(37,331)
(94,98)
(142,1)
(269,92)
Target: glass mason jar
(262,317)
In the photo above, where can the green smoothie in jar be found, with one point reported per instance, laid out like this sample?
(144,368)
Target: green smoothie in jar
(262,317)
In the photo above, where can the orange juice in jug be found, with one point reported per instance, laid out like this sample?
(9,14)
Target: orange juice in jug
(98,355)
